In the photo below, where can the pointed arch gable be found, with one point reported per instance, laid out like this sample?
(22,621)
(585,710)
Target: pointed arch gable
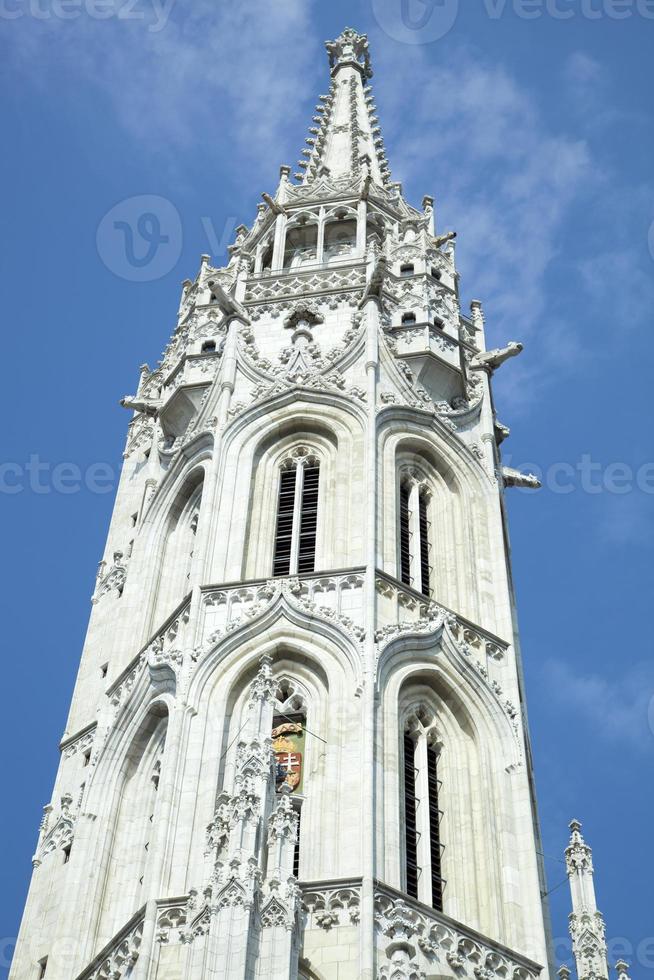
(247,473)
(264,632)
(142,709)
(219,694)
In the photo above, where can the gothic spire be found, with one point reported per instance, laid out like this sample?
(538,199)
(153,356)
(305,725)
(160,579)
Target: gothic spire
(586,921)
(345,137)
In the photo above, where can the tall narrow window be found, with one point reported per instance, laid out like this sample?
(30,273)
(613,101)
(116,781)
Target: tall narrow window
(308,520)
(434,830)
(297,517)
(420,803)
(424,544)
(285,510)
(410,829)
(405,535)
(415,531)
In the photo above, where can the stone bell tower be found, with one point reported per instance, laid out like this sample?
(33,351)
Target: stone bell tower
(297,744)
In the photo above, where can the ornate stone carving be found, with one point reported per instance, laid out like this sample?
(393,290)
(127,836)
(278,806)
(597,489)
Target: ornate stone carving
(81,743)
(332,906)
(490,360)
(404,923)
(118,958)
(114,580)
(58,832)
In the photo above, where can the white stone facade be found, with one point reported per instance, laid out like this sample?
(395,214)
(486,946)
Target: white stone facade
(333,339)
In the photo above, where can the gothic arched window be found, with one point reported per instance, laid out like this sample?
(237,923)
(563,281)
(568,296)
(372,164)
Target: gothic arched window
(301,245)
(408,319)
(178,546)
(422,841)
(415,532)
(340,235)
(135,823)
(297,514)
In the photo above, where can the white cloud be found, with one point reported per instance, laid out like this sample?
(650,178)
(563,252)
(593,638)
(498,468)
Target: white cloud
(506,179)
(236,81)
(582,70)
(619,710)
(226,78)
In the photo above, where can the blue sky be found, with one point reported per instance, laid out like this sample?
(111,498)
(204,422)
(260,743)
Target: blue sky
(530,122)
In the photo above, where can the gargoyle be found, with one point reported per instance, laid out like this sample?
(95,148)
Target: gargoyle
(226,302)
(143,405)
(492,359)
(502,432)
(514,478)
(443,239)
(273,205)
(376,283)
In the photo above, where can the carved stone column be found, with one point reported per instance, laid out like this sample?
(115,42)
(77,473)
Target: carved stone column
(278,953)
(233,940)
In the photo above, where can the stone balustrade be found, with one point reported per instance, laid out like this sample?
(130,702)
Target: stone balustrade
(416,936)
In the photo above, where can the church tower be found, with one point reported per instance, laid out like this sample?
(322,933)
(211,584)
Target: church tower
(297,745)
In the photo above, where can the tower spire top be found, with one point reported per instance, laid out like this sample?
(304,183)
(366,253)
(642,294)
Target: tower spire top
(345,138)
(350,48)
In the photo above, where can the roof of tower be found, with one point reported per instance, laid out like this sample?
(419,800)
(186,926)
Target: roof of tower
(345,137)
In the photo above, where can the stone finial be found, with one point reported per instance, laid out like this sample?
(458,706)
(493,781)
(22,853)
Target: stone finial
(477,314)
(622,969)
(428,211)
(263,685)
(578,855)
(349,48)
(563,973)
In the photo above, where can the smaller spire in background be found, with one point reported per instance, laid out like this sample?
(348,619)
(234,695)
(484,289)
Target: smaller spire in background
(586,922)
